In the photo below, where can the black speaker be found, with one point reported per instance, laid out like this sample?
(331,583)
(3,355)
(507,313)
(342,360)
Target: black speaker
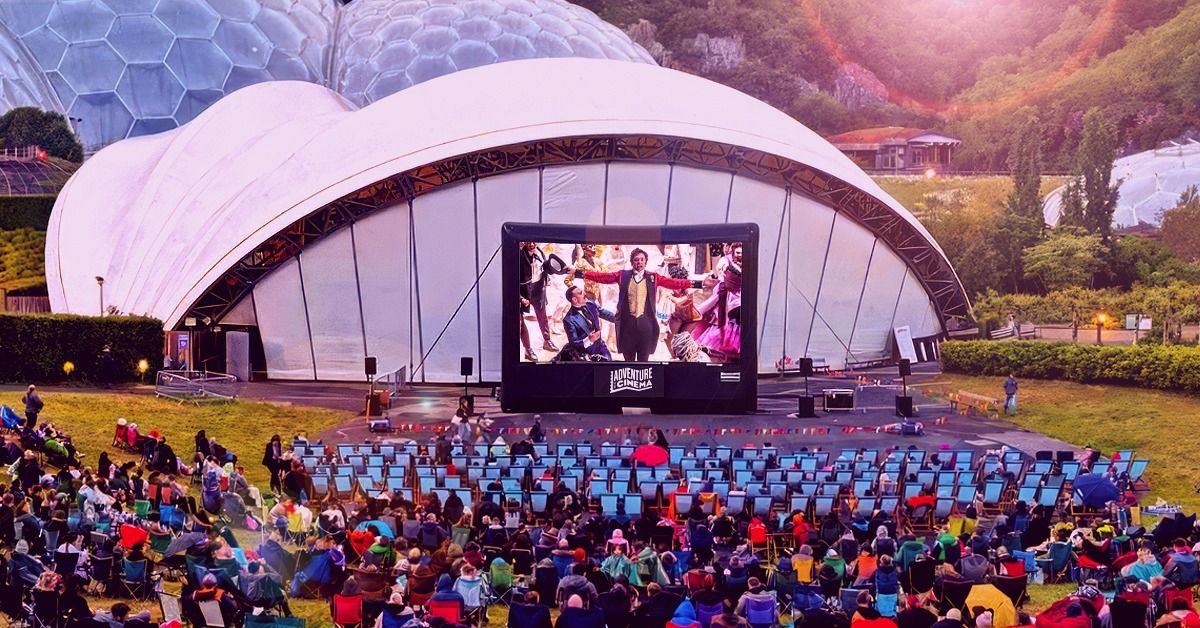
(904,406)
(466,366)
(905,367)
(374,406)
(369,365)
(379,425)
(807,408)
(806,367)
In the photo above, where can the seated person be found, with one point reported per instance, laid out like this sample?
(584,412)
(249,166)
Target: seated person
(582,325)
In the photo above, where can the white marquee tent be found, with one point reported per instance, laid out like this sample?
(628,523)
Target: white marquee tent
(264,197)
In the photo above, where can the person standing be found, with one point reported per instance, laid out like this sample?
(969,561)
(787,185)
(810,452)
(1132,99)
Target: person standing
(533,289)
(1010,394)
(33,405)
(272,459)
(636,318)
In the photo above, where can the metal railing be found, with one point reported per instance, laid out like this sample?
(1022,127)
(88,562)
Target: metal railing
(196,386)
(393,381)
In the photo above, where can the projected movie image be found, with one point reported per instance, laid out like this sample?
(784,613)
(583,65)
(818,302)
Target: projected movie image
(631,303)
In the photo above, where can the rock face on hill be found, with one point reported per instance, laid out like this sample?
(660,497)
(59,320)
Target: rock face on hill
(856,87)
(715,53)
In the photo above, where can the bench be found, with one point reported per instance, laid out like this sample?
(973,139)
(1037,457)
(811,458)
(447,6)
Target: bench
(964,402)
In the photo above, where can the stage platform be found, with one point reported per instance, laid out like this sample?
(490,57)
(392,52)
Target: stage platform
(420,411)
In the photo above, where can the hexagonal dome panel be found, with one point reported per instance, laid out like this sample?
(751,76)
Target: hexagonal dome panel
(85,46)
(446,36)
(158,63)
(140,39)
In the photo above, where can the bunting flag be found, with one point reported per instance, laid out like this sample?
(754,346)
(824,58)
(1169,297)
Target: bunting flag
(636,432)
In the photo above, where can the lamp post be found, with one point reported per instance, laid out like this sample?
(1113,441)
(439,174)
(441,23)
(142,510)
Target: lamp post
(1100,320)
(100,282)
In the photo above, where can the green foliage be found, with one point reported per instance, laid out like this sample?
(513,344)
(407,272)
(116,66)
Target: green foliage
(30,126)
(1093,163)
(1150,262)
(1147,366)
(31,212)
(1181,226)
(39,344)
(22,259)
(1021,224)
(1168,306)
(1068,258)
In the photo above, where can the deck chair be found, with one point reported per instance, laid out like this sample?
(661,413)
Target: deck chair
(705,613)
(1015,588)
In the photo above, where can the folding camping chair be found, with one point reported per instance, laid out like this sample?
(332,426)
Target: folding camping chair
(919,579)
(954,595)
(1127,613)
(1057,563)
(761,613)
(1015,588)
(135,579)
(347,611)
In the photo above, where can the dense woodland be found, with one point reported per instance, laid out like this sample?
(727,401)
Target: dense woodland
(963,66)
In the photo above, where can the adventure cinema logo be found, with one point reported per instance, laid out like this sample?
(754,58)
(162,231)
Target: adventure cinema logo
(629,379)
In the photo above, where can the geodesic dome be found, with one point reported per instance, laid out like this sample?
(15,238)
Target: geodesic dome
(386,46)
(123,68)
(1151,182)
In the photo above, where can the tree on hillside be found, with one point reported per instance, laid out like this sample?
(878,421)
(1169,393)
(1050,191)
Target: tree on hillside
(1070,257)
(1094,163)
(1021,223)
(1181,226)
(30,126)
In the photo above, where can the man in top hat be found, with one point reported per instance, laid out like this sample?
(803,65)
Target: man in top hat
(636,316)
(533,277)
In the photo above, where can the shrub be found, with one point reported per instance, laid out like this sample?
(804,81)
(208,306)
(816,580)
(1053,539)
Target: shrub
(1147,366)
(32,212)
(37,345)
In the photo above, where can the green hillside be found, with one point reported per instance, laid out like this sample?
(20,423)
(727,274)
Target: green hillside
(965,67)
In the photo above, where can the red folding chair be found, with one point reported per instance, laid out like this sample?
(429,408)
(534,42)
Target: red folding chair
(450,610)
(346,611)
(1185,594)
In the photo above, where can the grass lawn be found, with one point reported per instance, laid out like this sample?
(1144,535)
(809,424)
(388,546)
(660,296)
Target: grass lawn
(1158,425)
(241,427)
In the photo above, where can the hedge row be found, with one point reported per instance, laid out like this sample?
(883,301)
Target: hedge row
(32,212)
(37,345)
(1171,367)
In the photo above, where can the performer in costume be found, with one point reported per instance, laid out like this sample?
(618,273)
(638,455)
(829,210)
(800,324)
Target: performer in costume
(720,329)
(636,316)
(582,324)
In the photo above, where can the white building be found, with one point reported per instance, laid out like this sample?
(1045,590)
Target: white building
(335,233)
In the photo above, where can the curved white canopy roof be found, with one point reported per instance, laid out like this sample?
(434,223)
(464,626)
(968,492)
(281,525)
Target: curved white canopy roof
(162,217)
